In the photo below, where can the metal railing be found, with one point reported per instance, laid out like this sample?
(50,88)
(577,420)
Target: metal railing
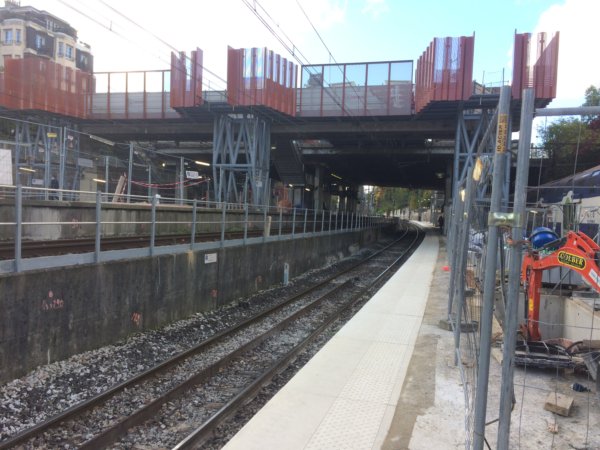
(101,217)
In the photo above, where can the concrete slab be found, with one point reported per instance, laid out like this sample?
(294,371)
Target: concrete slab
(559,404)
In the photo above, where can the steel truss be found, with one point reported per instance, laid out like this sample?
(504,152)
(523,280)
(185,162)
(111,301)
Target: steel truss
(241,152)
(474,138)
(43,151)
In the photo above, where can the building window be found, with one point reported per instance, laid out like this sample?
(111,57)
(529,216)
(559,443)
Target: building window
(40,41)
(61,49)
(17,36)
(8,37)
(69,52)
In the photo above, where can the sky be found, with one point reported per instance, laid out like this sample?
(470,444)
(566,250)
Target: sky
(139,35)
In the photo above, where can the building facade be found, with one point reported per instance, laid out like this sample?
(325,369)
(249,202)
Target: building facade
(43,65)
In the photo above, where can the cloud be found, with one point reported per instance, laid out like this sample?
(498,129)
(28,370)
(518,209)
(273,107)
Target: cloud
(578,63)
(375,8)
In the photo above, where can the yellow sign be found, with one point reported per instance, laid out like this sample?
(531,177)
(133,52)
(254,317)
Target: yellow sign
(502,132)
(51,135)
(571,260)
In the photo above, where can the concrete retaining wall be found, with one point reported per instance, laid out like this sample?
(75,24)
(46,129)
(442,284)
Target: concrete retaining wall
(581,320)
(52,314)
(567,317)
(71,220)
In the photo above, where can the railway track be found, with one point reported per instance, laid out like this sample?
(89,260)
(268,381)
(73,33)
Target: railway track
(31,249)
(207,383)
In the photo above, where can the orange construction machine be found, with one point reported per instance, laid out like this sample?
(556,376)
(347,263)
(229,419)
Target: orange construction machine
(575,251)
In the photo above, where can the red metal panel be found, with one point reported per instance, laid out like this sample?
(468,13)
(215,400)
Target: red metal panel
(258,77)
(293,102)
(34,83)
(466,67)
(545,69)
(424,81)
(442,87)
(186,79)
(198,59)
(543,77)
(177,76)
(444,71)
(174,75)
(521,69)
(249,79)
(66,94)
(234,75)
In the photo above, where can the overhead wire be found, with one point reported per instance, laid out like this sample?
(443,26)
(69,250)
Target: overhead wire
(343,107)
(304,61)
(329,51)
(204,68)
(158,38)
(113,30)
(265,113)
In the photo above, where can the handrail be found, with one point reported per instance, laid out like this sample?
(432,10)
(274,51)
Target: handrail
(273,222)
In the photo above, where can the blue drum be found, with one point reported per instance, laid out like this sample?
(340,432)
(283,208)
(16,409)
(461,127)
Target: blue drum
(541,236)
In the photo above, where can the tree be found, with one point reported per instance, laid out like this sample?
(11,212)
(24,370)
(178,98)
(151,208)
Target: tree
(572,144)
(390,199)
(592,98)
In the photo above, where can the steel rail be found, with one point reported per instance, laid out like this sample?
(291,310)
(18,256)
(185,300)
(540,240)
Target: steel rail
(82,245)
(92,402)
(204,431)
(116,431)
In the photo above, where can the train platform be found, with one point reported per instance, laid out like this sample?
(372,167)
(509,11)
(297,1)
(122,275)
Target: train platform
(373,385)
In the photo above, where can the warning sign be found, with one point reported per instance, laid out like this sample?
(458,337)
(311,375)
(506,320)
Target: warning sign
(502,132)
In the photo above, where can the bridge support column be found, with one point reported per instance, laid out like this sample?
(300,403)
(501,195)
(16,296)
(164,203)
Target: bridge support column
(318,189)
(241,152)
(352,199)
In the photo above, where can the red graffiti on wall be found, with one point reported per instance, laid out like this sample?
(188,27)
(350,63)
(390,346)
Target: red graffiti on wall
(136,319)
(51,302)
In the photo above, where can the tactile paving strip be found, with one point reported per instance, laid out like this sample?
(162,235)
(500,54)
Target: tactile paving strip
(350,424)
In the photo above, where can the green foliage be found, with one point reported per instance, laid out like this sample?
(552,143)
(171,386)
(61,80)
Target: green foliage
(572,144)
(592,98)
(390,199)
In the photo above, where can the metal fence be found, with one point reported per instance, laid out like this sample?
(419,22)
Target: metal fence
(515,392)
(199,224)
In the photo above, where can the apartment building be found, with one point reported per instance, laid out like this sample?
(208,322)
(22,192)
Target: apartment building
(26,31)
